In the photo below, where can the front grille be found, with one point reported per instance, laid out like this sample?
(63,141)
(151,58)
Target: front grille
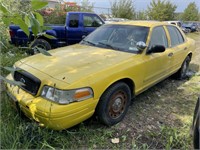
(32,84)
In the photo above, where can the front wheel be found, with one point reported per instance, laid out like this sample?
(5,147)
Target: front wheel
(114,103)
(40,43)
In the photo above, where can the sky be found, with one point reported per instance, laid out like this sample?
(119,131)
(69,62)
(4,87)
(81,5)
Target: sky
(140,5)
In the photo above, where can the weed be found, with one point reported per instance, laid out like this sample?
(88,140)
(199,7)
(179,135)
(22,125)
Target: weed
(172,137)
(159,118)
(7,59)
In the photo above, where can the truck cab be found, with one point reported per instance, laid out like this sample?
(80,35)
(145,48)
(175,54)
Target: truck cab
(80,25)
(77,26)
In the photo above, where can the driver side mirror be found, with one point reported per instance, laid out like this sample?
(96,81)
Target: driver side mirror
(141,45)
(83,36)
(156,49)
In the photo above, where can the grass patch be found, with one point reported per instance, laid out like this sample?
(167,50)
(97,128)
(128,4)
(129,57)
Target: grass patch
(18,132)
(9,56)
(159,118)
(172,138)
(193,35)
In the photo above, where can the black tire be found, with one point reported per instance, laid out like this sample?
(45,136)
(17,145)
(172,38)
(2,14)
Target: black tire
(41,43)
(195,125)
(182,72)
(113,104)
(196,135)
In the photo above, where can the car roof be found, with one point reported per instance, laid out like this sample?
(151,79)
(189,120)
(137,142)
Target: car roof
(173,21)
(142,23)
(78,12)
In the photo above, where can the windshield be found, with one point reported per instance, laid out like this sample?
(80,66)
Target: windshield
(117,37)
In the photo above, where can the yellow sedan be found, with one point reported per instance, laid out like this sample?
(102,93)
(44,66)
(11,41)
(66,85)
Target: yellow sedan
(101,74)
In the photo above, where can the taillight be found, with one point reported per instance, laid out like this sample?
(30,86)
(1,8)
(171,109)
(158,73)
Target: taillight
(11,33)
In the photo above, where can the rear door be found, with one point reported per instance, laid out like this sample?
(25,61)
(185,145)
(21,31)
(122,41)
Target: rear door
(177,44)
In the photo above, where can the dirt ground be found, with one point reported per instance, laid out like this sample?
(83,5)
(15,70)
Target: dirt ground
(169,104)
(159,118)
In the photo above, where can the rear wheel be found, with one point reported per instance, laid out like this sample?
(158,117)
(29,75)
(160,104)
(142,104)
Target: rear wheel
(114,103)
(182,72)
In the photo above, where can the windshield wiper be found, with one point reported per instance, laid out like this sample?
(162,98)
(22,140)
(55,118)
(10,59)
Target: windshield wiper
(93,44)
(108,46)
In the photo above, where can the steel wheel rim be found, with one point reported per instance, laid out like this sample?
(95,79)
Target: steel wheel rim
(42,46)
(117,104)
(185,68)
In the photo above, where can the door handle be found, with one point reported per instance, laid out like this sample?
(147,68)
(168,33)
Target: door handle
(170,54)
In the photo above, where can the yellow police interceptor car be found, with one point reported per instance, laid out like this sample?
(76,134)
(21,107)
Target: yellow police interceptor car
(101,74)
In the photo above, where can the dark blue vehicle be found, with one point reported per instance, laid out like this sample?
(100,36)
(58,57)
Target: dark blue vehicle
(191,26)
(77,26)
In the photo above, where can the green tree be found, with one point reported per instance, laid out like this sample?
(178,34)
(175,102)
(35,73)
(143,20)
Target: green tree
(123,9)
(161,10)
(191,13)
(86,6)
(199,15)
(141,15)
(178,16)
(57,16)
(16,7)
(25,20)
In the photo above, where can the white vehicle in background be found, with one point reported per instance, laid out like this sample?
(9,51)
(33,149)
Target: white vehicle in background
(179,24)
(110,20)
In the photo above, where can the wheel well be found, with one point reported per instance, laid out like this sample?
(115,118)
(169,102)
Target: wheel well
(44,38)
(190,55)
(129,82)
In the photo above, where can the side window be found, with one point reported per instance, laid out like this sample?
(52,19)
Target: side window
(180,36)
(91,21)
(179,24)
(175,36)
(98,21)
(73,20)
(173,23)
(159,37)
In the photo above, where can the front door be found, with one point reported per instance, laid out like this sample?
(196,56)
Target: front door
(157,64)
(74,30)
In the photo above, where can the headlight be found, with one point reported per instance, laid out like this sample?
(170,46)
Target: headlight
(66,96)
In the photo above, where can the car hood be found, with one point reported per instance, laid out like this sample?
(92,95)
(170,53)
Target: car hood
(75,62)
